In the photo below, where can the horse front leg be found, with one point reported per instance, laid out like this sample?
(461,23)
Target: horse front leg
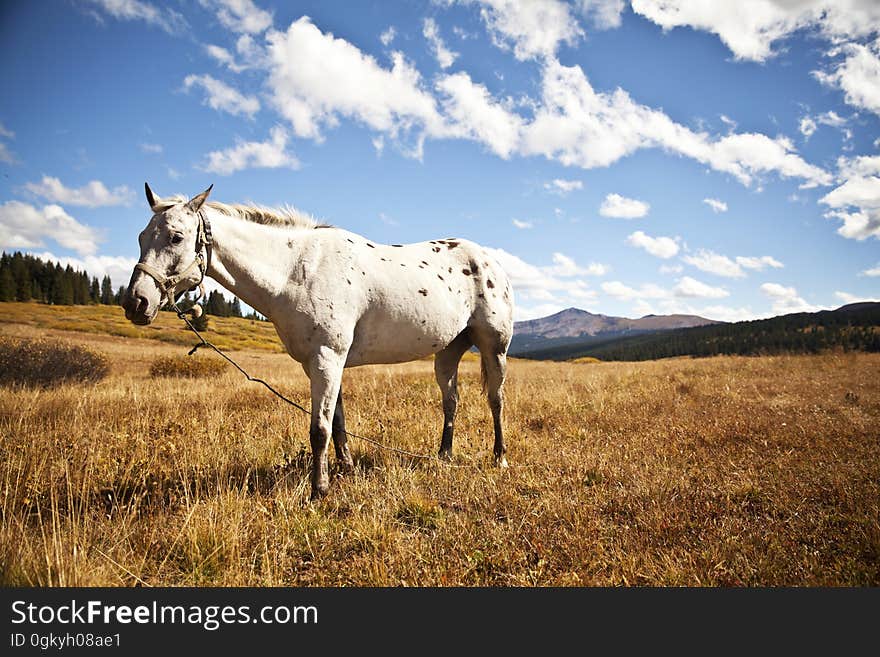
(325,370)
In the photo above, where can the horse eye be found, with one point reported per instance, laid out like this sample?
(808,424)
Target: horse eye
(176,239)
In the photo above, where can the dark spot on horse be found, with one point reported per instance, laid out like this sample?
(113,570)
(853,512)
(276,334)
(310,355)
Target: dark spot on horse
(397,245)
(384,259)
(349,240)
(423,292)
(402,265)
(424,263)
(349,282)
(363,273)
(473,267)
(481,295)
(370,245)
(489,283)
(451,245)
(440,277)
(421,266)
(436,249)
(449,288)
(450,270)
(485,264)
(466,272)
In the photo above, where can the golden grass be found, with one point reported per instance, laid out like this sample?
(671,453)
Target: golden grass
(197,365)
(722,471)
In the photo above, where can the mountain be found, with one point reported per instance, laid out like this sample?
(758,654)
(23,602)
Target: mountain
(575,326)
(854,327)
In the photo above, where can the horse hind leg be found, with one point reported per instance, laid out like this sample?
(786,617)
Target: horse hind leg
(340,438)
(446,372)
(493,368)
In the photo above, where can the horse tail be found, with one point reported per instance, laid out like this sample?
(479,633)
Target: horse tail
(484,381)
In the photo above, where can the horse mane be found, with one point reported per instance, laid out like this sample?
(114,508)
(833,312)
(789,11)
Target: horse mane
(286,216)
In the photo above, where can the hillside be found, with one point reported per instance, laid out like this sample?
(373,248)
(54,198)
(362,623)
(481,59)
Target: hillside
(574,326)
(851,327)
(225,332)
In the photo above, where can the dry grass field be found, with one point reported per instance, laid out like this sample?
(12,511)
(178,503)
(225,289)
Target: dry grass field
(727,471)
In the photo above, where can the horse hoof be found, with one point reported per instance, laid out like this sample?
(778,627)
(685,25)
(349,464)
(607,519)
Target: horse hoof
(501,462)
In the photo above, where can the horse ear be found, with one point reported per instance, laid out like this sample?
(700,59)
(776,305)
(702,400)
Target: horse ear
(152,199)
(196,202)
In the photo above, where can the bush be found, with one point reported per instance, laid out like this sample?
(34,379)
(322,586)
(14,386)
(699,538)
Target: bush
(192,366)
(47,363)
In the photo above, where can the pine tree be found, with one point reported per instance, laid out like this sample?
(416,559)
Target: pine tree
(106,291)
(95,291)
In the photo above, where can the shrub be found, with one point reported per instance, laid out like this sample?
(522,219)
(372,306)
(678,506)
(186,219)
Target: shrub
(47,363)
(193,366)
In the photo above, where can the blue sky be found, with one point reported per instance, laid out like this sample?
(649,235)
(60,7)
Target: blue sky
(625,158)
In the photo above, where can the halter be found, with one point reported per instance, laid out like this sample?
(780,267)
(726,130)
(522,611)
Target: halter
(167,284)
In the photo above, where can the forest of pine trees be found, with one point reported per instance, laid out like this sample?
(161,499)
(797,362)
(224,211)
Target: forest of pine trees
(28,278)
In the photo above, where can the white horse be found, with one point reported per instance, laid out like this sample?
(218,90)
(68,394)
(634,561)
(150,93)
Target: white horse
(336,299)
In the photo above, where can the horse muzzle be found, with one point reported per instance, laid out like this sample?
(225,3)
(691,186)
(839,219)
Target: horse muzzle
(138,309)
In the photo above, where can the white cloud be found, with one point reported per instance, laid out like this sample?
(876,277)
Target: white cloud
(315,79)
(533,29)
(223,56)
(624,292)
(661,247)
(93,194)
(605,14)
(475,115)
(271,154)
(671,269)
(522,225)
(563,187)
(846,297)
(714,263)
(578,126)
(716,205)
(786,300)
(23,226)
(873,271)
(538,289)
(750,30)
(220,96)
(565,266)
(444,56)
(388,35)
(807,127)
(118,268)
(5,154)
(857,204)
(759,263)
(621,207)
(151,149)
(690,287)
(858,75)
(131,10)
(240,15)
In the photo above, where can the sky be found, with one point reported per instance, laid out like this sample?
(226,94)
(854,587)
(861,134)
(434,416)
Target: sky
(626,158)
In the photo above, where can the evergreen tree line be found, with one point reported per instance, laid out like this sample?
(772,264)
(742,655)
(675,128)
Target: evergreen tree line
(28,278)
(856,328)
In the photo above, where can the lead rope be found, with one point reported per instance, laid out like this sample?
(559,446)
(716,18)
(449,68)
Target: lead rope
(205,343)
